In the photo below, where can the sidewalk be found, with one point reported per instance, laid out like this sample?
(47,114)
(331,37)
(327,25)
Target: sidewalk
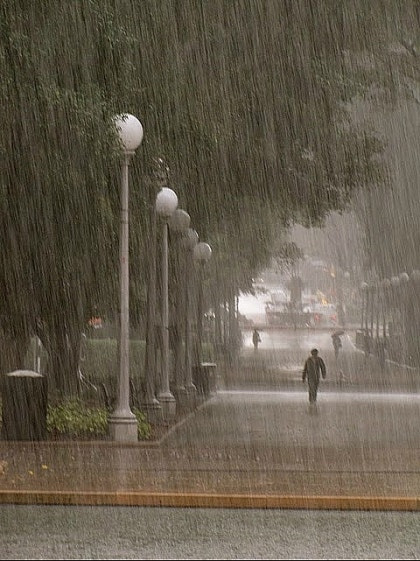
(239,449)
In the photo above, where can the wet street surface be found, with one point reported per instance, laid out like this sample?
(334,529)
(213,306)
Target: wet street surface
(58,532)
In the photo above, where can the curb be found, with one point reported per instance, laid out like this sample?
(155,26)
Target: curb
(196,500)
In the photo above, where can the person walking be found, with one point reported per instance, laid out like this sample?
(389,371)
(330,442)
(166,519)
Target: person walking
(313,369)
(336,341)
(256,339)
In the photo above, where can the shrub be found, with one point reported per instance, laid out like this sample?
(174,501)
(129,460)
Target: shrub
(144,427)
(73,418)
(101,363)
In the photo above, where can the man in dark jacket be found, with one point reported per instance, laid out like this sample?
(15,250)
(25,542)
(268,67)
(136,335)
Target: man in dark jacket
(314,368)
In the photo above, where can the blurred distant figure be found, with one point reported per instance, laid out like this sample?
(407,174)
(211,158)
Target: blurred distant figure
(256,339)
(381,351)
(314,368)
(336,341)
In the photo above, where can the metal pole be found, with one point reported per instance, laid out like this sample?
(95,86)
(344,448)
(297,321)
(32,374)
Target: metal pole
(151,312)
(367,311)
(151,404)
(179,320)
(123,423)
(372,309)
(165,396)
(123,402)
(363,310)
(200,314)
(188,382)
(384,310)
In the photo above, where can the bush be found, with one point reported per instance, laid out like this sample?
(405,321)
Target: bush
(101,362)
(73,418)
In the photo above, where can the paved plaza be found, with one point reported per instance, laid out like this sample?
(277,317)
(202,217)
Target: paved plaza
(262,448)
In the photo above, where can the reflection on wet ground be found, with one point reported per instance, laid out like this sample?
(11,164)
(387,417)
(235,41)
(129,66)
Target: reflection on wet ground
(362,440)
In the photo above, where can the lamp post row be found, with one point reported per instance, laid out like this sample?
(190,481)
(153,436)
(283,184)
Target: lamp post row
(376,297)
(123,423)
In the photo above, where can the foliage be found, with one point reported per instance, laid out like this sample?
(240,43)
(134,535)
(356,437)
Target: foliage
(100,361)
(250,115)
(75,419)
(287,256)
(144,428)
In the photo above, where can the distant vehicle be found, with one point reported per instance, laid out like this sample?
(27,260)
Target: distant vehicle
(279,311)
(322,314)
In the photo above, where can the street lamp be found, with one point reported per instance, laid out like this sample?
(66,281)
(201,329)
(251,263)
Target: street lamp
(364,289)
(166,203)
(179,223)
(150,404)
(415,275)
(189,241)
(395,281)
(201,254)
(123,422)
(404,277)
(386,285)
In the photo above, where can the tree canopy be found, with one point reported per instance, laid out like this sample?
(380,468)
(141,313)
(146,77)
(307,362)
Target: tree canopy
(245,101)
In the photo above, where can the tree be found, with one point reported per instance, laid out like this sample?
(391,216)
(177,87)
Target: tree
(56,201)
(244,100)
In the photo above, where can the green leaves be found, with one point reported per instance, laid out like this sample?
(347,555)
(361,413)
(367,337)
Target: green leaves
(75,419)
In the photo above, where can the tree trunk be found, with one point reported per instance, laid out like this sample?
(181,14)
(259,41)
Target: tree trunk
(13,353)
(63,349)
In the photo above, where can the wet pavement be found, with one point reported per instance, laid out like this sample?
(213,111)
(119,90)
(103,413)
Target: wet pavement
(262,448)
(104,532)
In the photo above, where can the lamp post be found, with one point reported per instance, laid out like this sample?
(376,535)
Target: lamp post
(190,240)
(179,223)
(150,404)
(123,422)
(364,289)
(386,284)
(201,254)
(395,283)
(415,316)
(166,203)
(406,307)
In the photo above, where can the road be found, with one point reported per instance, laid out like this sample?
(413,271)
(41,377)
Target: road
(68,532)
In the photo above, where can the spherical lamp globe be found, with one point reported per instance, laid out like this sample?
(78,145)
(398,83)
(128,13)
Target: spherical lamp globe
(130,131)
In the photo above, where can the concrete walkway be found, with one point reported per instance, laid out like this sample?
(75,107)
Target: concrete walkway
(265,449)
(261,449)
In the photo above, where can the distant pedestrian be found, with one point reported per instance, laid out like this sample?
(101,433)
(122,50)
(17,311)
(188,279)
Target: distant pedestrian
(312,371)
(256,339)
(381,352)
(336,341)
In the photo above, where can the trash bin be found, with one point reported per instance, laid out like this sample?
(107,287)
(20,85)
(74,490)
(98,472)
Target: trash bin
(204,378)
(24,405)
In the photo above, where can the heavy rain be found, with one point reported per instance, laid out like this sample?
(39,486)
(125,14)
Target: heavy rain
(210,278)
